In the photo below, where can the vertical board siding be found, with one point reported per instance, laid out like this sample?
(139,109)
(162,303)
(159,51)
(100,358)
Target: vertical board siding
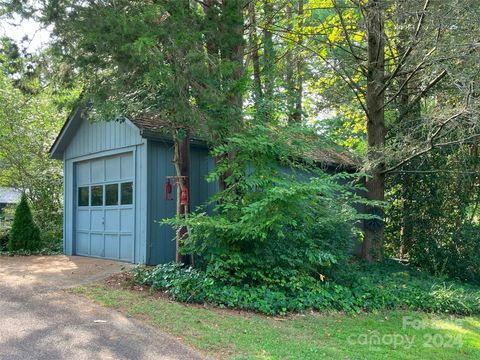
(141,196)
(94,137)
(161,238)
(69,196)
(201,164)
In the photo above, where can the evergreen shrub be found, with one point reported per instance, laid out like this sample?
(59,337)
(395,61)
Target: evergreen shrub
(24,235)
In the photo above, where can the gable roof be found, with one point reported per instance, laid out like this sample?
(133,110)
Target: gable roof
(152,127)
(330,157)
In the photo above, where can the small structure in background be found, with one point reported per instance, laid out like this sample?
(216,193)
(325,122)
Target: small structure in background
(8,196)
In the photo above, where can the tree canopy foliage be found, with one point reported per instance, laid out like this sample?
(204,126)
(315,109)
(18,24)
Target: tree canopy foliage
(35,103)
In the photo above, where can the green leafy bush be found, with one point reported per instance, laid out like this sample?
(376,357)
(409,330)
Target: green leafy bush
(281,220)
(393,285)
(183,283)
(4,236)
(351,288)
(25,234)
(433,220)
(191,285)
(280,236)
(453,253)
(464,254)
(6,218)
(52,240)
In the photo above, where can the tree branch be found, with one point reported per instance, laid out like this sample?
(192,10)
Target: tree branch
(347,36)
(409,49)
(407,80)
(430,141)
(422,93)
(345,77)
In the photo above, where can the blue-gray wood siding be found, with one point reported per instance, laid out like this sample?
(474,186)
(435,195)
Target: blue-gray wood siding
(91,138)
(161,238)
(153,243)
(201,165)
(96,140)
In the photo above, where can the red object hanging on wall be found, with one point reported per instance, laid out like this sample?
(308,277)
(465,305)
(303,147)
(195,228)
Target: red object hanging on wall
(168,190)
(184,196)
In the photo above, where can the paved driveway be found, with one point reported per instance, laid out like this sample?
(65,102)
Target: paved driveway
(40,320)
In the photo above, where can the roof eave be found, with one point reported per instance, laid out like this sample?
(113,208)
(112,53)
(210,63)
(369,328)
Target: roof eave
(153,135)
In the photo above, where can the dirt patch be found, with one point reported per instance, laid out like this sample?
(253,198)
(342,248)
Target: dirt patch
(126,281)
(56,271)
(123,280)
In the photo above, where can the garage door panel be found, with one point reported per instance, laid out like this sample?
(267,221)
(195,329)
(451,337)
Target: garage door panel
(126,220)
(83,220)
(112,169)
(112,220)
(112,246)
(83,173)
(126,249)
(83,243)
(97,220)
(97,245)
(97,171)
(126,167)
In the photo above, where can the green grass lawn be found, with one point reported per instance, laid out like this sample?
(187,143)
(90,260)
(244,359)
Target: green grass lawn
(234,335)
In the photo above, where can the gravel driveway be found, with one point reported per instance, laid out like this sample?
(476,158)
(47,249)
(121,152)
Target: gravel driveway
(40,320)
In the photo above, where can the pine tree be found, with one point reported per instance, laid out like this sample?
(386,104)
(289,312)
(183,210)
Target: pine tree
(25,234)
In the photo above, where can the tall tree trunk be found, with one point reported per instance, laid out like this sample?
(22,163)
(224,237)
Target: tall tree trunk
(372,248)
(297,115)
(181,158)
(295,66)
(236,53)
(410,120)
(268,50)
(253,39)
(233,52)
(211,35)
(289,61)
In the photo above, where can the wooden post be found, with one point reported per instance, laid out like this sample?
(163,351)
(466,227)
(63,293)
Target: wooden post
(181,161)
(182,211)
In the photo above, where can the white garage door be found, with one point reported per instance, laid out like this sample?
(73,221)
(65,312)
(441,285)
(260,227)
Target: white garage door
(104,207)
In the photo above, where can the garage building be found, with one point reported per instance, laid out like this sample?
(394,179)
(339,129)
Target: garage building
(114,176)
